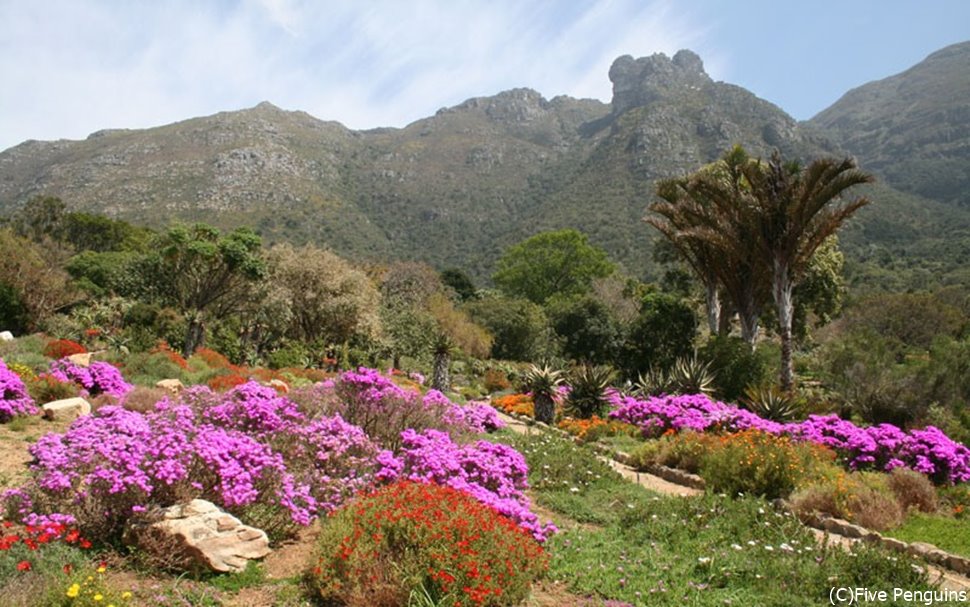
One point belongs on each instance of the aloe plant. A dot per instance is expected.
(692, 376)
(587, 395)
(654, 382)
(771, 403)
(542, 382)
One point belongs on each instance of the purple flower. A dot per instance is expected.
(14, 399)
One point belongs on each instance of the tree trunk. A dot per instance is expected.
(782, 291)
(725, 316)
(545, 409)
(713, 308)
(440, 376)
(194, 335)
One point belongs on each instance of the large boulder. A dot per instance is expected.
(67, 409)
(81, 360)
(6, 336)
(174, 386)
(200, 535)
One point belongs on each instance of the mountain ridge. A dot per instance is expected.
(453, 188)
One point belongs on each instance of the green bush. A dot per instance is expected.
(292, 355)
(757, 463)
(735, 366)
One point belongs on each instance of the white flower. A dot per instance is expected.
(769, 548)
(736, 547)
(704, 560)
(574, 489)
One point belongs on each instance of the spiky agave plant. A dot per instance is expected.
(587, 394)
(654, 382)
(771, 403)
(692, 376)
(542, 383)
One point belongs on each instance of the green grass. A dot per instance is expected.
(709, 550)
(949, 534)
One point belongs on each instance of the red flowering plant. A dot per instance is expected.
(60, 348)
(413, 539)
(49, 547)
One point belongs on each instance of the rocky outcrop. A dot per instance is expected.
(200, 535)
(642, 81)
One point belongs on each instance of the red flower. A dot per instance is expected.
(23, 566)
(85, 544)
(68, 568)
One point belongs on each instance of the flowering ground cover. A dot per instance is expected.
(882, 447)
(14, 399)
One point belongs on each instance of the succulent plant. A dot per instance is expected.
(587, 395)
(654, 382)
(771, 403)
(542, 382)
(692, 376)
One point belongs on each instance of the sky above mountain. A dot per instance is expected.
(70, 67)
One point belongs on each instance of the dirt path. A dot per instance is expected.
(948, 580)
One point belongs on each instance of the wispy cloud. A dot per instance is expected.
(70, 67)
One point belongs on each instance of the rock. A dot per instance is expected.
(853, 531)
(6, 336)
(921, 549)
(199, 534)
(279, 385)
(959, 564)
(67, 409)
(639, 82)
(175, 386)
(893, 544)
(81, 360)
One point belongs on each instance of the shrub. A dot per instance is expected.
(46, 388)
(222, 383)
(913, 490)
(60, 348)
(863, 498)
(411, 539)
(736, 368)
(14, 399)
(519, 404)
(594, 428)
(683, 450)
(496, 380)
(93, 380)
(756, 463)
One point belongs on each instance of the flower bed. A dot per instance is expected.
(882, 447)
(263, 457)
(95, 379)
(14, 399)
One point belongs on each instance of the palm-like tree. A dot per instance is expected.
(754, 226)
(794, 210)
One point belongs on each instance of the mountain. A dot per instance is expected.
(456, 188)
(912, 129)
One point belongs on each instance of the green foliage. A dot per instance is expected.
(13, 313)
(587, 329)
(653, 382)
(587, 393)
(662, 333)
(944, 532)
(691, 375)
(519, 327)
(460, 283)
(102, 273)
(735, 366)
(35, 284)
(293, 354)
(768, 402)
(551, 263)
(542, 382)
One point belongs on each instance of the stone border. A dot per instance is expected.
(836, 526)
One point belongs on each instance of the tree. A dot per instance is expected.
(33, 281)
(588, 330)
(519, 328)
(406, 288)
(454, 330)
(321, 297)
(203, 274)
(460, 282)
(794, 211)
(702, 219)
(551, 263)
(662, 333)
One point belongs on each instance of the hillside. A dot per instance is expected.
(455, 188)
(912, 129)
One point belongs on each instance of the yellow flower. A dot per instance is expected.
(98, 597)
(126, 595)
(73, 590)
(102, 569)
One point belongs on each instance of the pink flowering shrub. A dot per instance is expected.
(96, 379)
(492, 473)
(882, 447)
(256, 454)
(371, 400)
(14, 399)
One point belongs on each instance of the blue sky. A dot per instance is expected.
(71, 67)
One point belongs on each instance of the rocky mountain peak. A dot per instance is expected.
(638, 82)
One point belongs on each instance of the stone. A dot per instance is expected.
(893, 544)
(175, 386)
(921, 549)
(959, 564)
(852, 531)
(6, 336)
(279, 385)
(199, 534)
(67, 409)
(81, 360)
